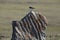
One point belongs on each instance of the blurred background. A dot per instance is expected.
(16, 9)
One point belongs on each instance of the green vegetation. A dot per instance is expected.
(10, 12)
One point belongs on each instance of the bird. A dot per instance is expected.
(31, 7)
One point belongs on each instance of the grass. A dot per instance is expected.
(10, 12)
